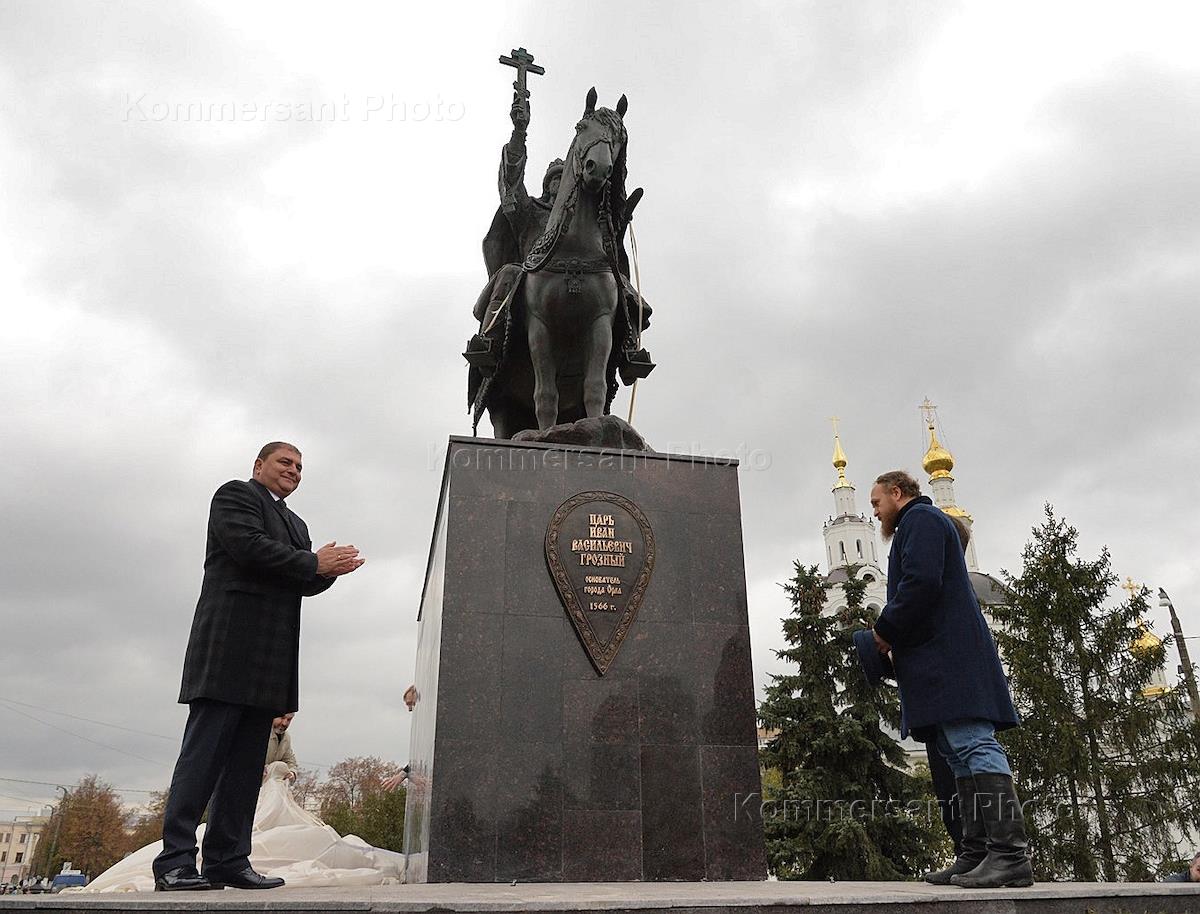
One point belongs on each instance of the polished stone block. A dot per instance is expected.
(603, 775)
(530, 765)
(529, 800)
(602, 846)
(672, 813)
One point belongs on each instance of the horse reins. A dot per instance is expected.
(637, 284)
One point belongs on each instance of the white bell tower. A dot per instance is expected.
(849, 536)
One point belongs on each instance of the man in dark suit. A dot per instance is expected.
(241, 669)
(952, 686)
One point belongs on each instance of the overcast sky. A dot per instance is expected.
(849, 207)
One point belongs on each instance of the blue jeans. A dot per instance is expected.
(969, 747)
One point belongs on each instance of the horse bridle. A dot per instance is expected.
(605, 137)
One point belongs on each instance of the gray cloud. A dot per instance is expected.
(178, 292)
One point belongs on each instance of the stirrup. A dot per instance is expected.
(635, 365)
(481, 354)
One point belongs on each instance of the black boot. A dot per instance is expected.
(1007, 862)
(974, 837)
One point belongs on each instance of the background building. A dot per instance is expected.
(850, 542)
(18, 837)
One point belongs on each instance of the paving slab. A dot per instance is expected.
(616, 898)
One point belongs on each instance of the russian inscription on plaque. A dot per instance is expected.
(600, 550)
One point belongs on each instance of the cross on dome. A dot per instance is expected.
(938, 461)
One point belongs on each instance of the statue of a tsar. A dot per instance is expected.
(559, 319)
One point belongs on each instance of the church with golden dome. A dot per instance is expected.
(850, 541)
(850, 536)
(1147, 641)
(852, 546)
(938, 462)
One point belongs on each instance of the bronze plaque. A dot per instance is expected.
(600, 550)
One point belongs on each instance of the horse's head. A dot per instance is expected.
(599, 139)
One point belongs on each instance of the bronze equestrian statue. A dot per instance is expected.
(559, 319)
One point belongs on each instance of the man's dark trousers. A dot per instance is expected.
(946, 790)
(222, 759)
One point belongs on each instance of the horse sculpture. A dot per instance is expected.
(563, 330)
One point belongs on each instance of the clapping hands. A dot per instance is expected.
(334, 560)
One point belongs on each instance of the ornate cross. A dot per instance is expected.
(929, 411)
(523, 61)
(1134, 589)
(835, 420)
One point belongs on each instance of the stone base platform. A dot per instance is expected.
(652, 898)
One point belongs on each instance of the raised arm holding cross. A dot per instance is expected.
(512, 165)
(522, 60)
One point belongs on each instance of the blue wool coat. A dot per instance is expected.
(944, 654)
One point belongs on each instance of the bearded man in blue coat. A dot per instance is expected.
(952, 687)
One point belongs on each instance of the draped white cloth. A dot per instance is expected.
(287, 841)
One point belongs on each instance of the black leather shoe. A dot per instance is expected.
(243, 879)
(181, 879)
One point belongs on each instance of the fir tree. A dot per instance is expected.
(1109, 773)
(845, 808)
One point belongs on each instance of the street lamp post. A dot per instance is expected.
(1185, 662)
(57, 827)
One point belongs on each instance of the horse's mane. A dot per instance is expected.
(612, 202)
(613, 206)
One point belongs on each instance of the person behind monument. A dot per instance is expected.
(1191, 874)
(411, 697)
(952, 686)
(398, 779)
(241, 669)
(944, 786)
(279, 746)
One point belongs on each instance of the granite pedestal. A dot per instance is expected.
(529, 764)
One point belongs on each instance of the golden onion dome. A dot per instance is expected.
(956, 511)
(938, 462)
(1146, 642)
(839, 464)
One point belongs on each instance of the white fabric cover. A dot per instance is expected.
(287, 841)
